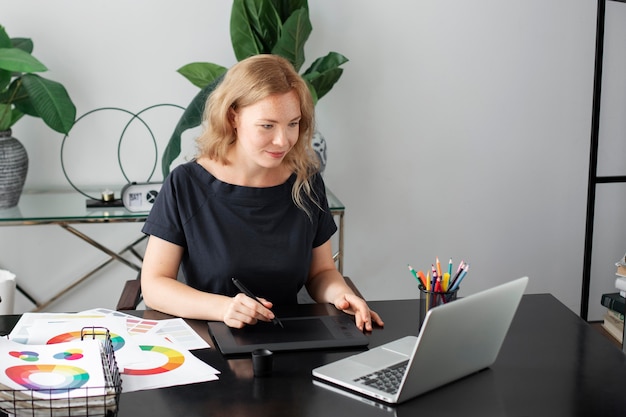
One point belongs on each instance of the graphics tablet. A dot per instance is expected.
(299, 333)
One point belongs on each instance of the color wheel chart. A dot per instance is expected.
(47, 368)
(150, 354)
(56, 378)
(175, 359)
(117, 340)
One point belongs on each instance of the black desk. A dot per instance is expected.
(552, 364)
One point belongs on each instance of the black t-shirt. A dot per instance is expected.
(257, 235)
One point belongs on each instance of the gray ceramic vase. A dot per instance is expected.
(13, 169)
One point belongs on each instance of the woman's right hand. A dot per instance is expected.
(243, 310)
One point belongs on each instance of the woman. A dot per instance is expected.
(251, 206)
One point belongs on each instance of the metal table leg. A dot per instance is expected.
(114, 256)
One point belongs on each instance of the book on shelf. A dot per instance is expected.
(613, 323)
(614, 301)
(613, 313)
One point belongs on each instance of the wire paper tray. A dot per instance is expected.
(87, 401)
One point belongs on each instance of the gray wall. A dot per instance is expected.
(459, 129)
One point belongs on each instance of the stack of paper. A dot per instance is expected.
(150, 354)
(55, 380)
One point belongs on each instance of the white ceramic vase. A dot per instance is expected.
(319, 146)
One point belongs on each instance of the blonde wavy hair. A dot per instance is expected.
(246, 83)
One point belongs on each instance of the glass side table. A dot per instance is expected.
(64, 208)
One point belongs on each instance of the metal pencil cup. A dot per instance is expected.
(431, 299)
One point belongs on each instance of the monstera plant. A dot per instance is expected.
(279, 27)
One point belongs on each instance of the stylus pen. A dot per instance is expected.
(247, 292)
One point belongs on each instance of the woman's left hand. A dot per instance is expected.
(364, 317)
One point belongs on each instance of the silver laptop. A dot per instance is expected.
(456, 340)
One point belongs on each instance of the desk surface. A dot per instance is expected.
(552, 363)
(70, 207)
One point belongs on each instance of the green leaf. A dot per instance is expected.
(243, 37)
(16, 60)
(286, 7)
(18, 95)
(325, 72)
(25, 44)
(294, 35)
(5, 41)
(5, 116)
(202, 74)
(51, 101)
(8, 116)
(265, 23)
(5, 79)
(192, 117)
(323, 82)
(15, 116)
(313, 93)
(330, 61)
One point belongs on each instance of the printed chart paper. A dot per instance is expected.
(149, 353)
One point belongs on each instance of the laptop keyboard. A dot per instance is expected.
(387, 379)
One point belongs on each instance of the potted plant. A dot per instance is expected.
(279, 27)
(24, 92)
